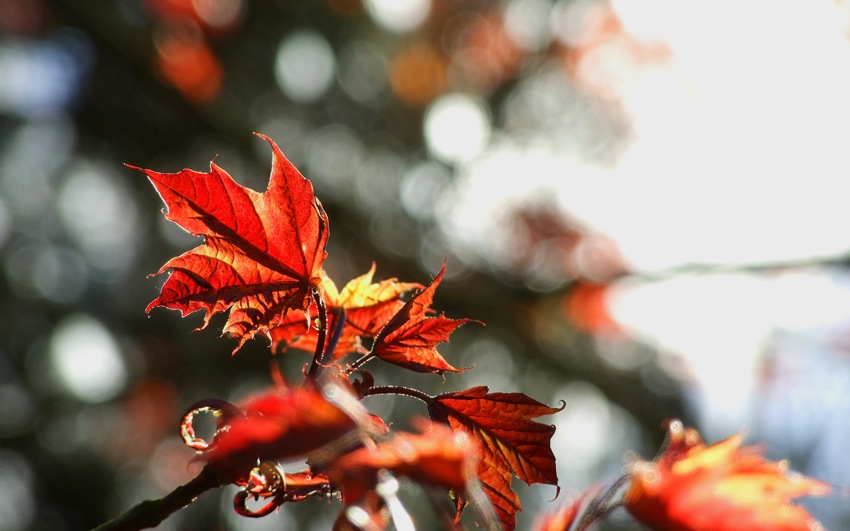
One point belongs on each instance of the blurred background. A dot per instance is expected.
(644, 202)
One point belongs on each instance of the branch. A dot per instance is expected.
(150, 513)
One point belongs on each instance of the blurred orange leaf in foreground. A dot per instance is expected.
(720, 487)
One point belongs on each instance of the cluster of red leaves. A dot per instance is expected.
(261, 262)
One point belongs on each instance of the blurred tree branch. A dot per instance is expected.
(150, 513)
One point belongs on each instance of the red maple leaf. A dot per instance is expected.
(262, 252)
(410, 338)
(508, 441)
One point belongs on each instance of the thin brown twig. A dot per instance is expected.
(150, 513)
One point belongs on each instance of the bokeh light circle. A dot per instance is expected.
(398, 15)
(305, 66)
(457, 127)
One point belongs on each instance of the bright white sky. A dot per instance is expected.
(738, 147)
(738, 153)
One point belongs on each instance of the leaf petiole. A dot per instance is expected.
(318, 356)
(359, 362)
(399, 390)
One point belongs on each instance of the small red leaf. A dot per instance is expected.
(262, 253)
(509, 441)
(411, 337)
(368, 306)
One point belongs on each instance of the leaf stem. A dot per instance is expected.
(602, 504)
(150, 513)
(399, 390)
(338, 313)
(316, 365)
(359, 362)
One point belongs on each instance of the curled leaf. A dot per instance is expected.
(268, 481)
(720, 487)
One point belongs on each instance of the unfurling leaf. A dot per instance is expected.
(276, 426)
(262, 253)
(509, 442)
(720, 487)
(410, 337)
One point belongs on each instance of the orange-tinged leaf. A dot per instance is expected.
(509, 441)
(262, 252)
(368, 306)
(410, 337)
(720, 487)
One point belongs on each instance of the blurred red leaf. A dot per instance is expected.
(438, 456)
(721, 487)
(410, 337)
(571, 511)
(278, 426)
(185, 59)
(560, 519)
(369, 513)
(262, 253)
(508, 441)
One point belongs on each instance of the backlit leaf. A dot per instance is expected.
(411, 336)
(262, 252)
(509, 441)
(368, 306)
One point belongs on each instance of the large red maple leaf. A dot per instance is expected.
(262, 253)
(508, 441)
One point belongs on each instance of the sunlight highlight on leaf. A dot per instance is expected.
(262, 253)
